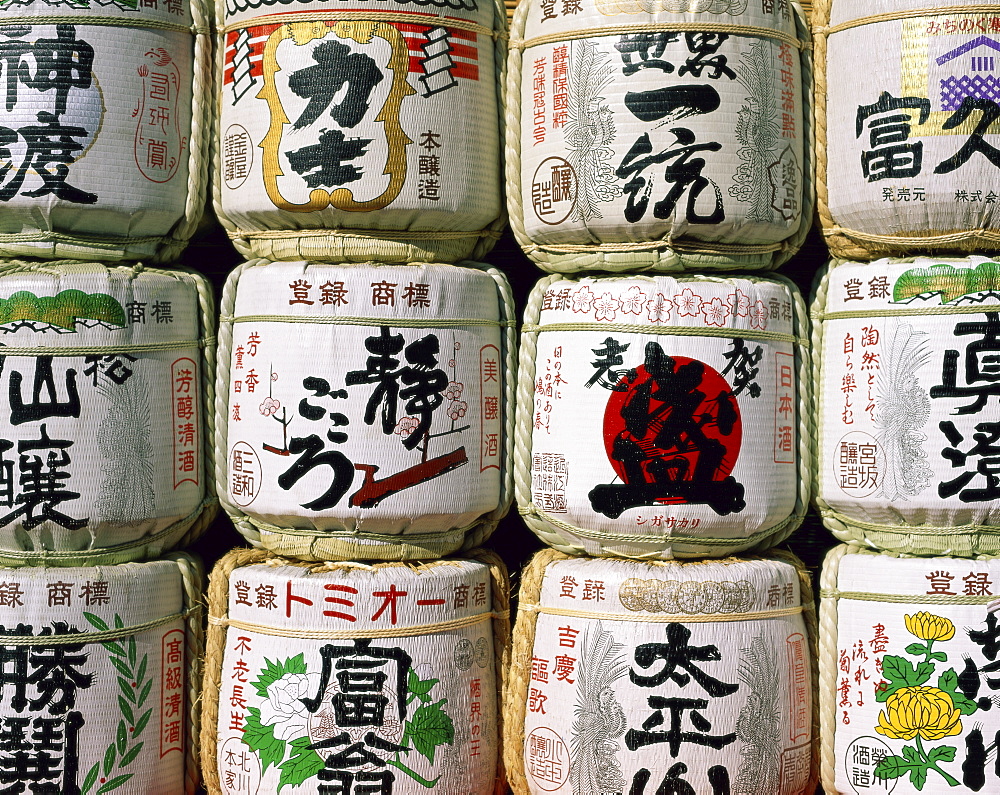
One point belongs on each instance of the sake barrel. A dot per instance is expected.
(906, 386)
(663, 135)
(358, 131)
(104, 131)
(651, 677)
(365, 409)
(907, 145)
(106, 379)
(661, 416)
(99, 688)
(385, 677)
(908, 648)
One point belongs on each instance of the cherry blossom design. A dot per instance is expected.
(659, 308)
(406, 425)
(457, 409)
(454, 390)
(716, 313)
(270, 407)
(634, 300)
(758, 315)
(740, 303)
(688, 303)
(583, 300)
(606, 307)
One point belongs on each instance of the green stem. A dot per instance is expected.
(927, 655)
(952, 782)
(415, 776)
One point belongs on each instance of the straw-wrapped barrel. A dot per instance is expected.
(664, 135)
(365, 409)
(107, 376)
(908, 147)
(104, 131)
(323, 675)
(907, 662)
(101, 675)
(661, 677)
(907, 384)
(360, 132)
(661, 416)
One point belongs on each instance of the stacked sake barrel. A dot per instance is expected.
(365, 403)
(903, 338)
(107, 370)
(661, 445)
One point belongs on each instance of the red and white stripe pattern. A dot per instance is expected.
(246, 45)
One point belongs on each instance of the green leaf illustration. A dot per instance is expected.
(948, 682)
(142, 723)
(925, 670)
(121, 736)
(131, 754)
(91, 778)
(273, 670)
(261, 739)
(944, 753)
(109, 759)
(916, 649)
(303, 764)
(430, 727)
(895, 766)
(420, 688)
(940, 656)
(96, 621)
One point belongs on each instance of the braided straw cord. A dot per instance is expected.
(508, 343)
(202, 103)
(186, 529)
(851, 244)
(356, 245)
(828, 668)
(218, 608)
(316, 545)
(193, 581)
(569, 538)
(664, 255)
(809, 618)
(964, 541)
(515, 701)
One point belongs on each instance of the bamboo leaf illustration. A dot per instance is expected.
(142, 723)
(109, 759)
(121, 736)
(131, 754)
(91, 778)
(96, 621)
(114, 783)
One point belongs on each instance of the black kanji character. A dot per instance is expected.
(336, 67)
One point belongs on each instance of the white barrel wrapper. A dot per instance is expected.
(111, 713)
(354, 132)
(645, 677)
(366, 407)
(907, 685)
(341, 673)
(703, 459)
(911, 138)
(102, 448)
(907, 384)
(103, 134)
(651, 143)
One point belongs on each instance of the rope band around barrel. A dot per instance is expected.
(113, 22)
(349, 634)
(365, 16)
(755, 31)
(105, 350)
(672, 331)
(964, 309)
(362, 234)
(103, 636)
(656, 618)
(906, 598)
(892, 16)
(368, 321)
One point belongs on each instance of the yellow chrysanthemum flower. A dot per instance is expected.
(927, 626)
(927, 711)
